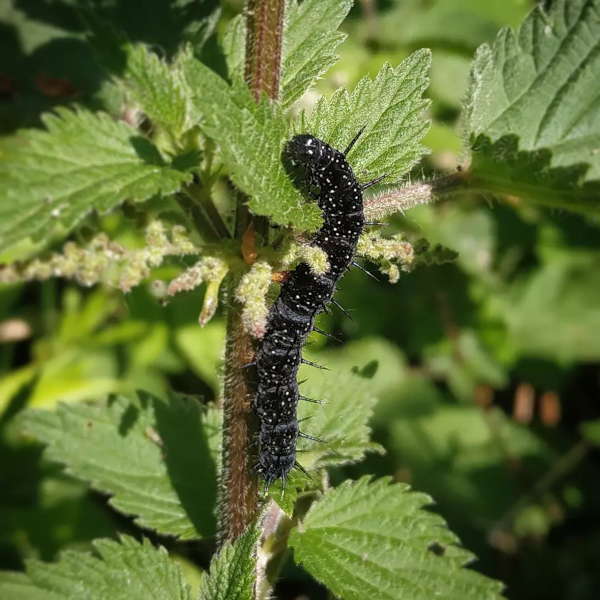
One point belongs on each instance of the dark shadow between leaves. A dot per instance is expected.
(162, 23)
(149, 153)
(58, 72)
(368, 371)
(128, 420)
(146, 150)
(187, 161)
(62, 15)
(62, 69)
(186, 451)
(18, 402)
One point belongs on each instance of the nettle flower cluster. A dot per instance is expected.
(105, 261)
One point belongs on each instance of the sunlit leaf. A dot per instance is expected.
(81, 162)
(122, 570)
(390, 112)
(532, 110)
(374, 539)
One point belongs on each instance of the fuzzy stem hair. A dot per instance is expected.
(238, 493)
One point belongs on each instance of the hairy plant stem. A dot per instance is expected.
(239, 487)
(264, 39)
(394, 200)
(238, 499)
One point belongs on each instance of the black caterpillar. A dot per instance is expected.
(325, 175)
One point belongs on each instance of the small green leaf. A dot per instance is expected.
(590, 430)
(553, 313)
(211, 339)
(13, 382)
(341, 421)
(285, 493)
(160, 90)
(233, 44)
(370, 539)
(122, 571)
(389, 109)
(157, 458)
(311, 41)
(532, 109)
(251, 138)
(232, 571)
(81, 162)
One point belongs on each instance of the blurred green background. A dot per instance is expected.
(487, 369)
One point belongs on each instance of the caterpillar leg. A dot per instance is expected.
(368, 184)
(326, 334)
(313, 364)
(340, 307)
(307, 399)
(354, 139)
(311, 437)
(359, 266)
(305, 418)
(300, 468)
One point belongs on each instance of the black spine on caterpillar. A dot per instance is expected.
(324, 173)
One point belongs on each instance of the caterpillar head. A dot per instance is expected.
(304, 150)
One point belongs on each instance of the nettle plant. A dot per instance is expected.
(197, 158)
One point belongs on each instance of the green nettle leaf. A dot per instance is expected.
(155, 457)
(370, 539)
(232, 571)
(211, 338)
(390, 110)
(532, 110)
(251, 138)
(311, 40)
(233, 43)
(341, 421)
(126, 570)
(81, 162)
(160, 90)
